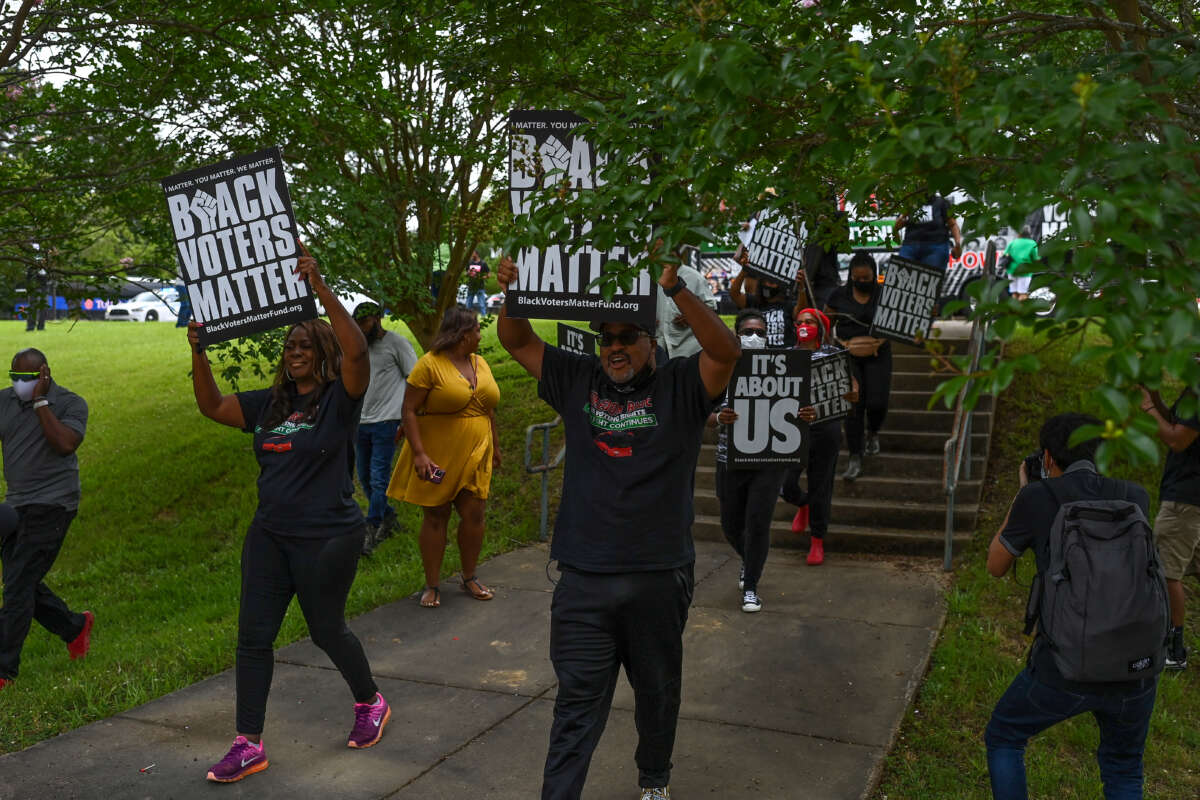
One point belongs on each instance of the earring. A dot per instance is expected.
(289, 375)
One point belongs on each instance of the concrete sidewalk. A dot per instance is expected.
(801, 700)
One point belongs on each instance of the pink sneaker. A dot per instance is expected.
(244, 758)
(369, 722)
(816, 552)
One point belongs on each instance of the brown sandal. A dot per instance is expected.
(478, 591)
(433, 603)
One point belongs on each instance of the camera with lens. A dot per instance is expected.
(1033, 466)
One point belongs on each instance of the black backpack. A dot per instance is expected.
(1101, 602)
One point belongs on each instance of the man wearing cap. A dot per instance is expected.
(41, 426)
(392, 359)
(623, 535)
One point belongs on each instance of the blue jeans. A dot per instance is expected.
(935, 254)
(478, 300)
(1029, 707)
(376, 446)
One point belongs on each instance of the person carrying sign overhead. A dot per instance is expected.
(623, 537)
(771, 298)
(307, 532)
(813, 507)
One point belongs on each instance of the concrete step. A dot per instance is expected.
(845, 538)
(918, 380)
(899, 514)
(924, 465)
(925, 488)
(915, 399)
(893, 442)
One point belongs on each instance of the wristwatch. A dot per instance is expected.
(40, 402)
(674, 290)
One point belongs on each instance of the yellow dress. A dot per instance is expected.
(455, 431)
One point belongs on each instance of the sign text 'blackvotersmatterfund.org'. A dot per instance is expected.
(904, 310)
(235, 240)
(767, 391)
(552, 280)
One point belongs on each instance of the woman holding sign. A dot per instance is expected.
(747, 496)
(307, 532)
(825, 439)
(853, 305)
(450, 448)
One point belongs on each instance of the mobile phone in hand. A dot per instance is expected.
(436, 474)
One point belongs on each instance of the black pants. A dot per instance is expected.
(28, 553)
(824, 442)
(317, 571)
(874, 376)
(748, 498)
(599, 622)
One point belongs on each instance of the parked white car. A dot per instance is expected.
(161, 306)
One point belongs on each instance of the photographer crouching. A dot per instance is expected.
(1099, 603)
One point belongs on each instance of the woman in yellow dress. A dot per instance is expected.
(450, 448)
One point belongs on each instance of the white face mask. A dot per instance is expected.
(24, 389)
(753, 341)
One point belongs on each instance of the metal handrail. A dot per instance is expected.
(544, 466)
(958, 447)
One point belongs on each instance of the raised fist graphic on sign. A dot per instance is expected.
(204, 206)
(555, 156)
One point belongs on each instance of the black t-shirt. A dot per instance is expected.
(854, 318)
(1029, 522)
(1181, 473)
(630, 464)
(476, 283)
(930, 222)
(781, 330)
(305, 479)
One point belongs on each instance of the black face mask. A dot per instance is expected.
(866, 287)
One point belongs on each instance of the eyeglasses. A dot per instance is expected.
(23, 376)
(759, 332)
(627, 337)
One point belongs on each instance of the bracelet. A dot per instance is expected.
(674, 290)
(40, 402)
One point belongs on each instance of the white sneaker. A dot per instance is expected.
(750, 602)
(661, 793)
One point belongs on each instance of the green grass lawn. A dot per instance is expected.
(940, 753)
(167, 496)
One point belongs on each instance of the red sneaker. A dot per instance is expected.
(816, 552)
(78, 646)
(4, 682)
(800, 521)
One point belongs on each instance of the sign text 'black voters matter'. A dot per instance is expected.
(767, 391)
(775, 248)
(554, 281)
(831, 382)
(235, 239)
(574, 340)
(904, 310)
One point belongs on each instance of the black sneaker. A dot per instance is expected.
(387, 527)
(872, 447)
(370, 540)
(1176, 652)
(853, 467)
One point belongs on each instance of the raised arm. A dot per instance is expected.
(516, 335)
(356, 365)
(1175, 435)
(222, 408)
(720, 347)
(61, 439)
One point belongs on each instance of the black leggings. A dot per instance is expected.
(874, 376)
(824, 442)
(317, 571)
(748, 498)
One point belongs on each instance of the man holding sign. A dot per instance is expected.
(623, 534)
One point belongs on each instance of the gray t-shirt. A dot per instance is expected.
(34, 474)
(679, 340)
(392, 358)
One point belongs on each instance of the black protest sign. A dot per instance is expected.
(573, 340)
(904, 310)
(767, 391)
(775, 248)
(235, 239)
(831, 382)
(553, 280)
